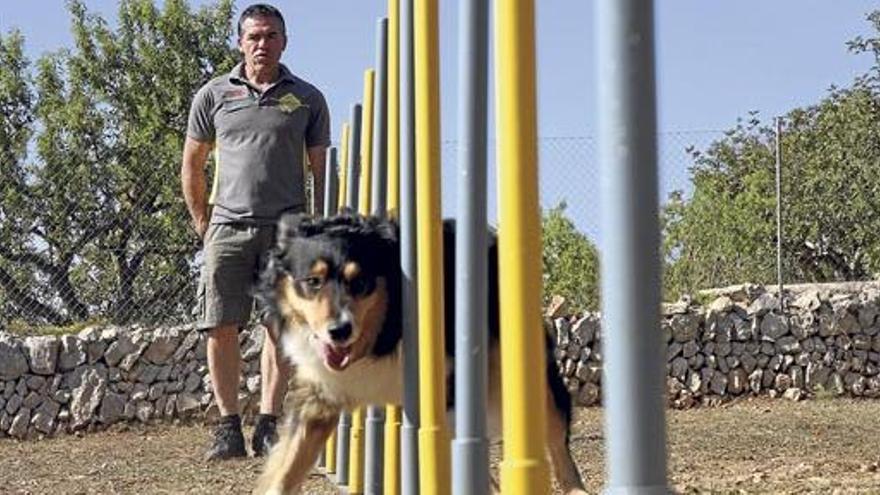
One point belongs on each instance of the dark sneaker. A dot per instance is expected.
(228, 440)
(265, 434)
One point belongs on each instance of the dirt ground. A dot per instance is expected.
(751, 446)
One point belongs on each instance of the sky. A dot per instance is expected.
(716, 61)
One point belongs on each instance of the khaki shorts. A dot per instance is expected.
(234, 256)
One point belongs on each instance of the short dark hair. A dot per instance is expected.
(261, 10)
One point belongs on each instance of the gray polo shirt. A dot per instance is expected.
(260, 140)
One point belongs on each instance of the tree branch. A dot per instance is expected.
(25, 301)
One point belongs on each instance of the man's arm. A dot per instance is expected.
(192, 177)
(317, 159)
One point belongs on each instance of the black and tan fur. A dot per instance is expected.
(335, 286)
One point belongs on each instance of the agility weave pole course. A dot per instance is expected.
(361, 185)
(399, 126)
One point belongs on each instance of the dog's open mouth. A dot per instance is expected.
(335, 357)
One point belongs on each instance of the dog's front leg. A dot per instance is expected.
(294, 456)
(559, 449)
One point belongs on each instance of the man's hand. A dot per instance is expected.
(201, 226)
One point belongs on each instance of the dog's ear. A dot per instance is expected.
(290, 225)
(389, 230)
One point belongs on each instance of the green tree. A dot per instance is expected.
(725, 233)
(92, 223)
(570, 262)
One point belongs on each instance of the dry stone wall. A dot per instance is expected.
(104, 375)
(739, 344)
(824, 343)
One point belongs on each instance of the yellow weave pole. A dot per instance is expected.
(434, 455)
(391, 474)
(343, 165)
(393, 136)
(356, 453)
(330, 454)
(366, 172)
(524, 469)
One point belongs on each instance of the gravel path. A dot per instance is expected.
(752, 446)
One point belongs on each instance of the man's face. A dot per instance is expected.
(262, 42)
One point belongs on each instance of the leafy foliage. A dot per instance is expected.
(570, 262)
(92, 223)
(726, 232)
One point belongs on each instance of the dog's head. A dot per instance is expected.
(333, 285)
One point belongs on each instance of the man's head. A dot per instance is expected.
(261, 36)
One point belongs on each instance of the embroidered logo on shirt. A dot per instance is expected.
(289, 103)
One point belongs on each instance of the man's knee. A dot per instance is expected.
(224, 335)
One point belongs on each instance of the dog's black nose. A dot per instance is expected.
(340, 332)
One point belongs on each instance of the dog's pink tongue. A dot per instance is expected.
(336, 358)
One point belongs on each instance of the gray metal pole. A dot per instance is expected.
(633, 374)
(331, 183)
(331, 193)
(379, 198)
(374, 450)
(375, 423)
(354, 164)
(470, 448)
(779, 212)
(343, 433)
(409, 444)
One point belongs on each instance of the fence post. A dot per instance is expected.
(779, 212)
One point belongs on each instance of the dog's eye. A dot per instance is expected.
(312, 284)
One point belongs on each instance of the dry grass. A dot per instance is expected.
(754, 446)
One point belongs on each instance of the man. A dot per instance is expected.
(260, 120)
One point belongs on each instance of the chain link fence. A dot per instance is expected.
(77, 249)
(569, 174)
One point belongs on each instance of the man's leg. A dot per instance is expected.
(224, 365)
(230, 259)
(275, 370)
(275, 374)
